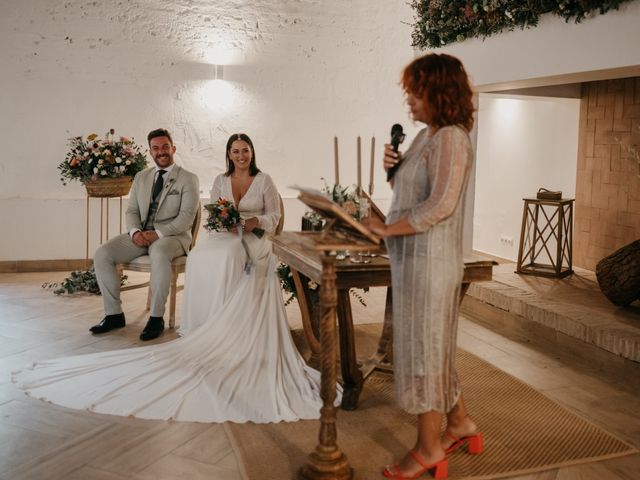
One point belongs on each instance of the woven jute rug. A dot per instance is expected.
(524, 432)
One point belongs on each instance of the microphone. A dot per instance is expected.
(397, 137)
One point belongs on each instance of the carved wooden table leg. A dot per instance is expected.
(385, 344)
(352, 379)
(309, 323)
(382, 359)
(463, 290)
(327, 461)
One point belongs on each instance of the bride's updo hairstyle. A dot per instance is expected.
(253, 168)
(442, 82)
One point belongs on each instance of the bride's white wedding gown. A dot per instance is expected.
(235, 361)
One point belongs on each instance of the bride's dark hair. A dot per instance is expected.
(253, 168)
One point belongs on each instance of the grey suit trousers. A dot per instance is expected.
(121, 249)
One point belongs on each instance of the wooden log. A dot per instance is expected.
(619, 275)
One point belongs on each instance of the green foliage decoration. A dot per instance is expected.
(289, 287)
(79, 281)
(442, 22)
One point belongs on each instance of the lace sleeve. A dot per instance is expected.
(216, 189)
(449, 162)
(268, 221)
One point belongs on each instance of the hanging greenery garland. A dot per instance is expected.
(441, 22)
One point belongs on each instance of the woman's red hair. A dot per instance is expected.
(442, 82)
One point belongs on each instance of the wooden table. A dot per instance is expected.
(298, 250)
(309, 253)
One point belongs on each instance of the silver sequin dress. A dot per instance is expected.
(427, 268)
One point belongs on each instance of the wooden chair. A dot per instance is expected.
(178, 265)
(281, 222)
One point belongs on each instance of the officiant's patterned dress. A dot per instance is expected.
(427, 268)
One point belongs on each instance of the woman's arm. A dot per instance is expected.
(451, 157)
(216, 189)
(399, 228)
(268, 221)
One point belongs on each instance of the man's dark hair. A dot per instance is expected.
(159, 132)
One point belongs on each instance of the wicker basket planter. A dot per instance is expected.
(108, 187)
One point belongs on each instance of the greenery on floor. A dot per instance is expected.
(79, 281)
(441, 22)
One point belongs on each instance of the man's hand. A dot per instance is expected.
(139, 239)
(150, 236)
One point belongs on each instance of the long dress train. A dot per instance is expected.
(236, 360)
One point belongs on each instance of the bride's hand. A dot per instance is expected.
(250, 224)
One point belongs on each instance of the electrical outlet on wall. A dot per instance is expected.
(506, 240)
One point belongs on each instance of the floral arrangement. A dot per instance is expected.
(95, 158)
(350, 201)
(223, 215)
(441, 22)
(79, 281)
(313, 289)
(346, 197)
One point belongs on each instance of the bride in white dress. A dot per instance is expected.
(236, 360)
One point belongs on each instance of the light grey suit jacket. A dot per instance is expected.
(176, 206)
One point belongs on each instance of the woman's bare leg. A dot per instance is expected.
(459, 423)
(428, 444)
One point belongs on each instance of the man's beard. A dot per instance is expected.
(160, 159)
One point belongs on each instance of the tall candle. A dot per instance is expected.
(359, 164)
(336, 164)
(373, 149)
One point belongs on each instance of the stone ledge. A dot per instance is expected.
(527, 311)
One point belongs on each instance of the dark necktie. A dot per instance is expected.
(157, 187)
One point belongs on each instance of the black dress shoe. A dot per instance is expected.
(153, 329)
(108, 323)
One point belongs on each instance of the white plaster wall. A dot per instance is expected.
(555, 47)
(524, 143)
(297, 72)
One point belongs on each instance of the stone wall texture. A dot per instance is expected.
(607, 211)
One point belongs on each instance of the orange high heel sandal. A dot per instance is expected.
(473, 442)
(440, 468)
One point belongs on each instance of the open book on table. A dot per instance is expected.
(335, 215)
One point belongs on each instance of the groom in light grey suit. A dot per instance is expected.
(162, 207)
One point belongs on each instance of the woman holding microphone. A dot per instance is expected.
(423, 233)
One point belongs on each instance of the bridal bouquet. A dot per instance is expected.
(223, 216)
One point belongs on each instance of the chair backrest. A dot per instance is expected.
(195, 228)
(281, 222)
